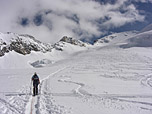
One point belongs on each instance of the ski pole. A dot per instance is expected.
(31, 88)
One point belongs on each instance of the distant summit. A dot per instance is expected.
(73, 41)
(67, 41)
(114, 38)
(140, 40)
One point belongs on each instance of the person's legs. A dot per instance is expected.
(36, 89)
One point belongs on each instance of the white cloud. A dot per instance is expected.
(76, 18)
(118, 19)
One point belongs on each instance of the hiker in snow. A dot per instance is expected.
(36, 82)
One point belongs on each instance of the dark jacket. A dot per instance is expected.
(35, 79)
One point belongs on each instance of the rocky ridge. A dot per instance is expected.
(60, 45)
(24, 44)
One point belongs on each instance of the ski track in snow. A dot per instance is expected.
(43, 103)
(117, 97)
(147, 80)
(78, 90)
(10, 107)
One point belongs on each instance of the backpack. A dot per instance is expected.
(35, 79)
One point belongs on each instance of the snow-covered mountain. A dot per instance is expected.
(114, 38)
(22, 44)
(147, 28)
(143, 39)
(127, 39)
(33, 52)
(69, 40)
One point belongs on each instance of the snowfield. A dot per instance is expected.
(99, 79)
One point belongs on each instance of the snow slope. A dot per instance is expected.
(147, 28)
(115, 38)
(140, 40)
(24, 51)
(103, 79)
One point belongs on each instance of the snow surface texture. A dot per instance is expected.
(140, 40)
(99, 79)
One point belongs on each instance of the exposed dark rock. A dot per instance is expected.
(4, 43)
(23, 44)
(1, 53)
(72, 41)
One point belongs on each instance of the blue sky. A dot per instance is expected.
(50, 20)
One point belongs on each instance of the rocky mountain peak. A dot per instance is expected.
(72, 41)
(22, 44)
